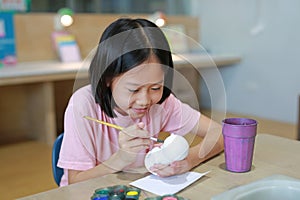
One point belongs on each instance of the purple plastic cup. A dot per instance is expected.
(239, 137)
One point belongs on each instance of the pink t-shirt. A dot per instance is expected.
(86, 143)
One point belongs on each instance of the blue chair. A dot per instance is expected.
(57, 171)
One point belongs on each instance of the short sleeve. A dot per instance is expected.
(85, 143)
(77, 151)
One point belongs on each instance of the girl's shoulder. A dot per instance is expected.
(82, 101)
(171, 101)
(84, 91)
(83, 95)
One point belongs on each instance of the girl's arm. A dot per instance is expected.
(211, 145)
(114, 164)
(132, 140)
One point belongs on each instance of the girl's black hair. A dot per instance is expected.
(125, 44)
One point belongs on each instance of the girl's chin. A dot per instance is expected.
(136, 115)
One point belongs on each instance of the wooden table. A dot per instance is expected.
(34, 94)
(272, 155)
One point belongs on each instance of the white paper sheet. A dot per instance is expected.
(169, 185)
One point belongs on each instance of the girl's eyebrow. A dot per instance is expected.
(137, 84)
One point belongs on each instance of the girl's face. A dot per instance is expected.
(136, 90)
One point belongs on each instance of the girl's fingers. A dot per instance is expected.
(157, 144)
(177, 167)
(136, 142)
(136, 131)
(141, 125)
(162, 170)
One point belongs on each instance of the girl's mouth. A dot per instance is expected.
(139, 110)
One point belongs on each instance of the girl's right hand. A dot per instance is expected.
(133, 140)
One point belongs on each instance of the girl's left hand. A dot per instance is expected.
(177, 167)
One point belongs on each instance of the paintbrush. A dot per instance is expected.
(117, 127)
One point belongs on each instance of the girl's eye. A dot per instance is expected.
(153, 88)
(133, 91)
(156, 88)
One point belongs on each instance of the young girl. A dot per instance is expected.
(131, 77)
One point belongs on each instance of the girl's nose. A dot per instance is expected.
(143, 98)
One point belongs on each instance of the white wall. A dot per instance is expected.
(266, 33)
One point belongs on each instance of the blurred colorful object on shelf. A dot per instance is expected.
(7, 39)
